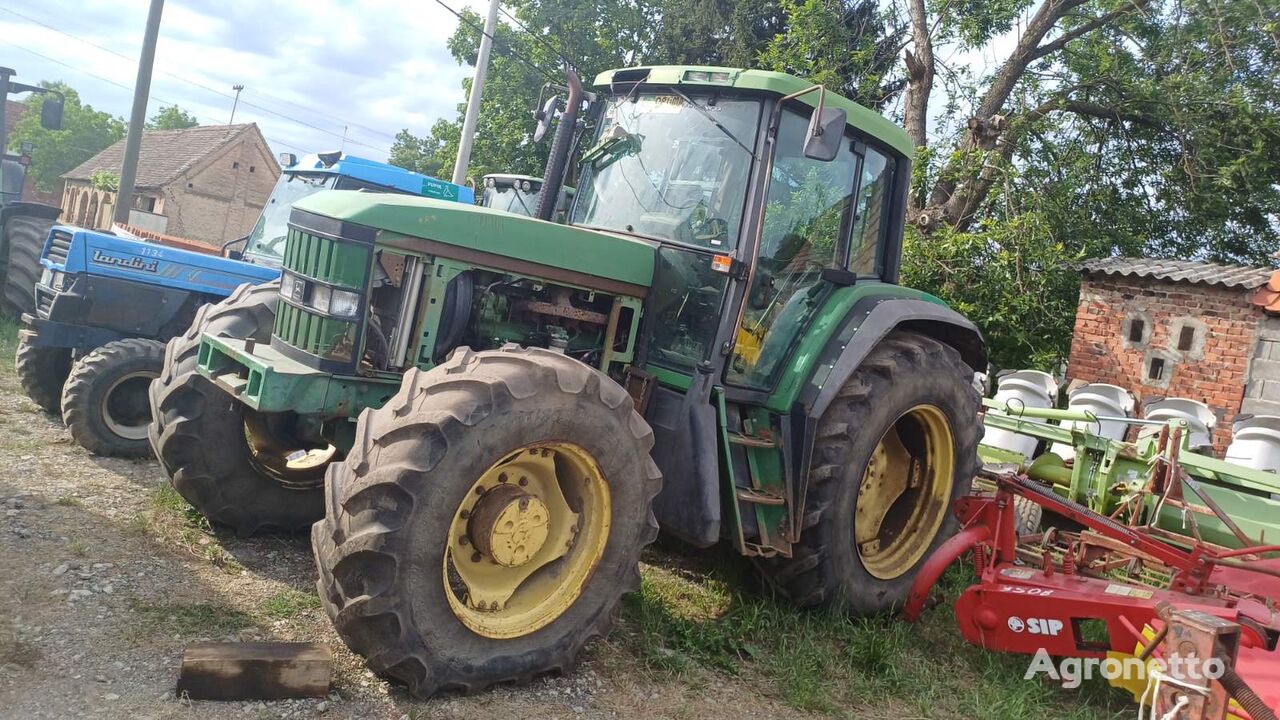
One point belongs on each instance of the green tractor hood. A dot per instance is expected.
(490, 237)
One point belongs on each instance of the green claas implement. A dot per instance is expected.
(491, 415)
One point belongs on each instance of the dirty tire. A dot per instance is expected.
(1027, 516)
(197, 429)
(42, 371)
(26, 236)
(105, 397)
(381, 547)
(905, 370)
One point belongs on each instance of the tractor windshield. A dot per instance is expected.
(268, 236)
(670, 167)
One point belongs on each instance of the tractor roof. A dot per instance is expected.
(776, 83)
(493, 237)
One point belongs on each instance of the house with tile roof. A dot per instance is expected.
(207, 183)
(1182, 328)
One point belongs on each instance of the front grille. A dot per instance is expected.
(44, 302)
(59, 247)
(332, 261)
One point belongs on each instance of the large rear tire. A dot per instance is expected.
(894, 450)
(202, 435)
(42, 371)
(104, 401)
(25, 238)
(449, 576)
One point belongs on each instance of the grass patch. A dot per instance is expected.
(711, 614)
(79, 548)
(69, 501)
(289, 603)
(8, 341)
(190, 619)
(172, 521)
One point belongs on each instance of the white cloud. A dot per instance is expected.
(309, 67)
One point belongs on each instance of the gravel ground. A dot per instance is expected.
(104, 580)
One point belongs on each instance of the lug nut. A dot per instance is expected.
(475, 557)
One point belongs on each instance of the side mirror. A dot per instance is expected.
(826, 134)
(51, 114)
(544, 116)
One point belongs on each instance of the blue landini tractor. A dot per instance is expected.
(105, 305)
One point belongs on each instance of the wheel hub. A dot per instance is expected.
(509, 525)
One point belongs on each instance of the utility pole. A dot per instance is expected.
(473, 103)
(237, 87)
(138, 118)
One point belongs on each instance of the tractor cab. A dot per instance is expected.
(721, 168)
(333, 171)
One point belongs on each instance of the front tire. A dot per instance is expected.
(893, 452)
(201, 434)
(42, 371)
(104, 401)
(446, 575)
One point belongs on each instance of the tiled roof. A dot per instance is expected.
(1184, 271)
(1268, 296)
(165, 154)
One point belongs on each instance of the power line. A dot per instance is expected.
(538, 38)
(206, 87)
(509, 51)
(122, 86)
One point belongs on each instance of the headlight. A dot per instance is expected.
(345, 303)
(320, 295)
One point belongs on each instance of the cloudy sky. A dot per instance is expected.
(309, 67)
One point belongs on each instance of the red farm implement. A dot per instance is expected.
(1103, 589)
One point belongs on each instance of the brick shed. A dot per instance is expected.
(1177, 328)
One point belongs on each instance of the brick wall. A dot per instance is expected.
(1124, 324)
(220, 199)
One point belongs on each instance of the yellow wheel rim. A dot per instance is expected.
(905, 492)
(295, 467)
(525, 539)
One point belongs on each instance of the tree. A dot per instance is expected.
(422, 155)
(172, 118)
(85, 132)
(845, 46)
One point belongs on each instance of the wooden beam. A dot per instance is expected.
(254, 671)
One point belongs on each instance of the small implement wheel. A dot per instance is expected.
(242, 469)
(893, 451)
(487, 521)
(42, 371)
(104, 402)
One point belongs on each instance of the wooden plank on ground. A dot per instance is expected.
(254, 671)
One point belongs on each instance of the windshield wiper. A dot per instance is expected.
(711, 118)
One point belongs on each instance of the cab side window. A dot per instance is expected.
(871, 212)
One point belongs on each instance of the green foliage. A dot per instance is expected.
(85, 132)
(102, 179)
(172, 118)
(844, 46)
(422, 155)
(1014, 278)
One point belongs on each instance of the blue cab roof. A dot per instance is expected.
(384, 174)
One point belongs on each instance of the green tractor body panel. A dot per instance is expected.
(805, 367)
(494, 232)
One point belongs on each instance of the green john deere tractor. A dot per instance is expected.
(491, 415)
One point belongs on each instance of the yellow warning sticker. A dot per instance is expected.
(1128, 591)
